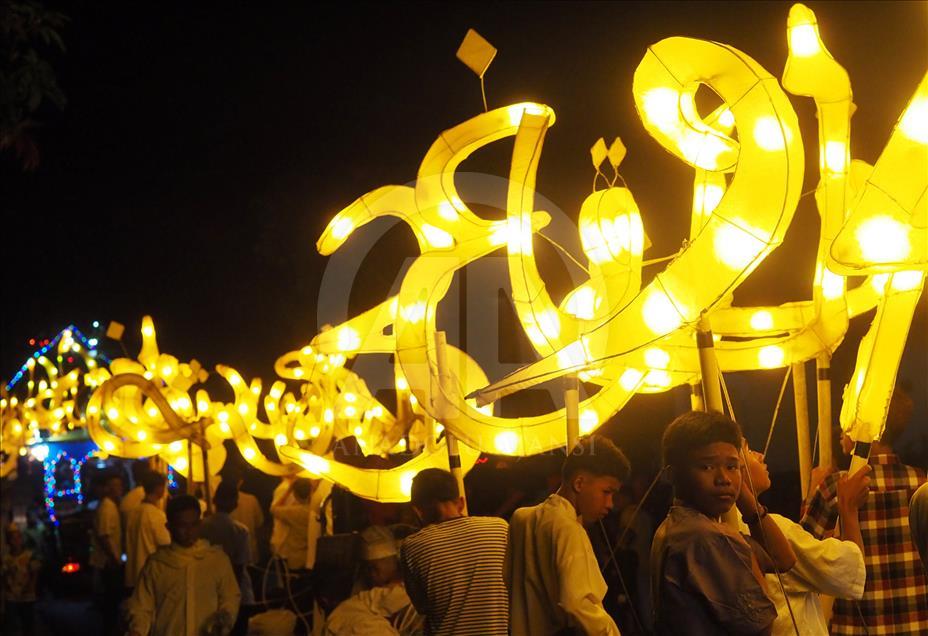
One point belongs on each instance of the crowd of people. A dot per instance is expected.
(856, 562)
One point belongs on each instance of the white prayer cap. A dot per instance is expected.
(378, 543)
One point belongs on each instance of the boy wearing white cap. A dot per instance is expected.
(385, 608)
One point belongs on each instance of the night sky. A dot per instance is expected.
(205, 146)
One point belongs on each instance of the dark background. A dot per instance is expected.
(205, 146)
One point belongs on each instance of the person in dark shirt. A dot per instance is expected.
(707, 578)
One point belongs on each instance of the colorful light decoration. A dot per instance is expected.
(52, 492)
(68, 334)
(51, 401)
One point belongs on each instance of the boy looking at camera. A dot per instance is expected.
(707, 577)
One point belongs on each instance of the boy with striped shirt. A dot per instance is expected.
(453, 567)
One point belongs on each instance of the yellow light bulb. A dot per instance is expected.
(250, 453)
(659, 313)
(907, 280)
(662, 108)
(762, 320)
(589, 419)
(708, 196)
(314, 431)
(771, 134)
(348, 339)
(736, 247)
(771, 357)
(656, 358)
(342, 227)
(835, 156)
(314, 464)
(280, 439)
(658, 379)
(883, 239)
(832, 285)
(406, 478)
(727, 118)
(109, 446)
(507, 442)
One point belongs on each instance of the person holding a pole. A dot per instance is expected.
(895, 599)
(453, 567)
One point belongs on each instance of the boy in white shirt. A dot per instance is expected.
(146, 528)
(187, 588)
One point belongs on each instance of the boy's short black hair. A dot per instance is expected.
(181, 503)
(696, 429)
(302, 488)
(433, 486)
(139, 468)
(151, 481)
(226, 497)
(597, 455)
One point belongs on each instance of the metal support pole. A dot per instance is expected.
(572, 409)
(708, 367)
(823, 393)
(696, 401)
(802, 425)
(444, 377)
(190, 489)
(208, 494)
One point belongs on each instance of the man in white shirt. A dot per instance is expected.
(146, 528)
(294, 522)
(187, 588)
(282, 496)
(553, 577)
(248, 512)
(106, 553)
(828, 566)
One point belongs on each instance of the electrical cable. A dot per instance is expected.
(635, 513)
(776, 409)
